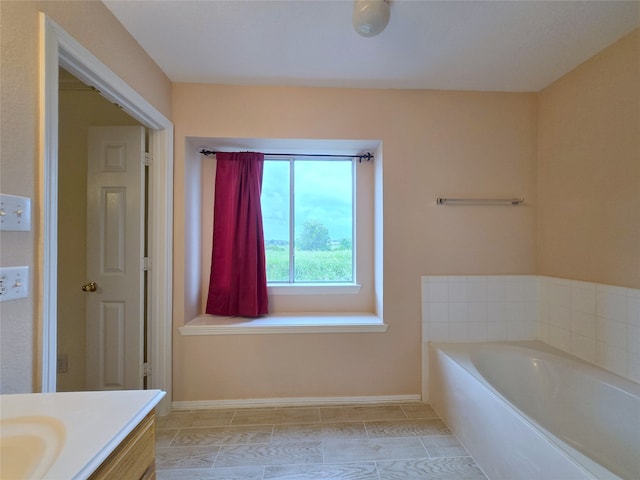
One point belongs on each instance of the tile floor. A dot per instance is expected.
(373, 442)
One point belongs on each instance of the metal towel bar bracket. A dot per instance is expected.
(479, 201)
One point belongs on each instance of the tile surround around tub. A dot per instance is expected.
(598, 323)
(479, 308)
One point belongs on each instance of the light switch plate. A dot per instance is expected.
(14, 283)
(15, 213)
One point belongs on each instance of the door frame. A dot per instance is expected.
(59, 49)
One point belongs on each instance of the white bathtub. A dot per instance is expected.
(527, 411)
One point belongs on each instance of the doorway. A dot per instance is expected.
(59, 49)
(81, 351)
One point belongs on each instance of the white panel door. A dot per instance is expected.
(115, 249)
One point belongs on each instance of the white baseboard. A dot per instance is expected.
(292, 402)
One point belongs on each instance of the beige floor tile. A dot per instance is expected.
(460, 468)
(419, 410)
(234, 473)
(222, 435)
(444, 446)
(319, 431)
(185, 457)
(277, 416)
(372, 449)
(274, 453)
(164, 437)
(355, 471)
(361, 413)
(174, 420)
(196, 418)
(407, 428)
(345, 442)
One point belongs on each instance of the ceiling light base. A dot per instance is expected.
(370, 17)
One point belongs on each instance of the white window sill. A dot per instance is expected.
(285, 323)
(314, 289)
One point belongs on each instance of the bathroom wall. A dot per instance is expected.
(434, 143)
(589, 170)
(589, 199)
(79, 108)
(91, 24)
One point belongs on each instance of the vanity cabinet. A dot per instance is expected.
(134, 458)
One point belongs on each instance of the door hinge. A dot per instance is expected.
(146, 264)
(147, 159)
(146, 370)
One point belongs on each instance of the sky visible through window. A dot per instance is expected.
(323, 192)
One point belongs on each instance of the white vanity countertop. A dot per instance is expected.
(95, 423)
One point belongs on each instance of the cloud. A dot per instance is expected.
(323, 192)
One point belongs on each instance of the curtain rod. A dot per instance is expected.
(365, 156)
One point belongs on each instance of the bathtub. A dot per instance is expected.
(525, 410)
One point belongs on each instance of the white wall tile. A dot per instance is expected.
(633, 366)
(477, 312)
(496, 289)
(584, 347)
(459, 332)
(478, 331)
(559, 316)
(458, 312)
(439, 331)
(458, 291)
(438, 292)
(633, 338)
(611, 358)
(583, 324)
(438, 312)
(633, 307)
(531, 312)
(543, 287)
(611, 303)
(515, 311)
(559, 293)
(560, 338)
(425, 313)
(516, 330)
(496, 312)
(583, 297)
(516, 288)
(543, 332)
(496, 331)
(612, 333)
(477, 291)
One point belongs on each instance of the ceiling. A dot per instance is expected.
(481, 45)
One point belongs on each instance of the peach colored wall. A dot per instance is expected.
(589, 170)
(91, 24)
(434, 144)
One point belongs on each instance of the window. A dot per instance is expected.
(308, 220)
(327, 306)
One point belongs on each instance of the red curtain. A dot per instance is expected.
(238, 281)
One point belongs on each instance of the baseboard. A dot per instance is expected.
(292, 402)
